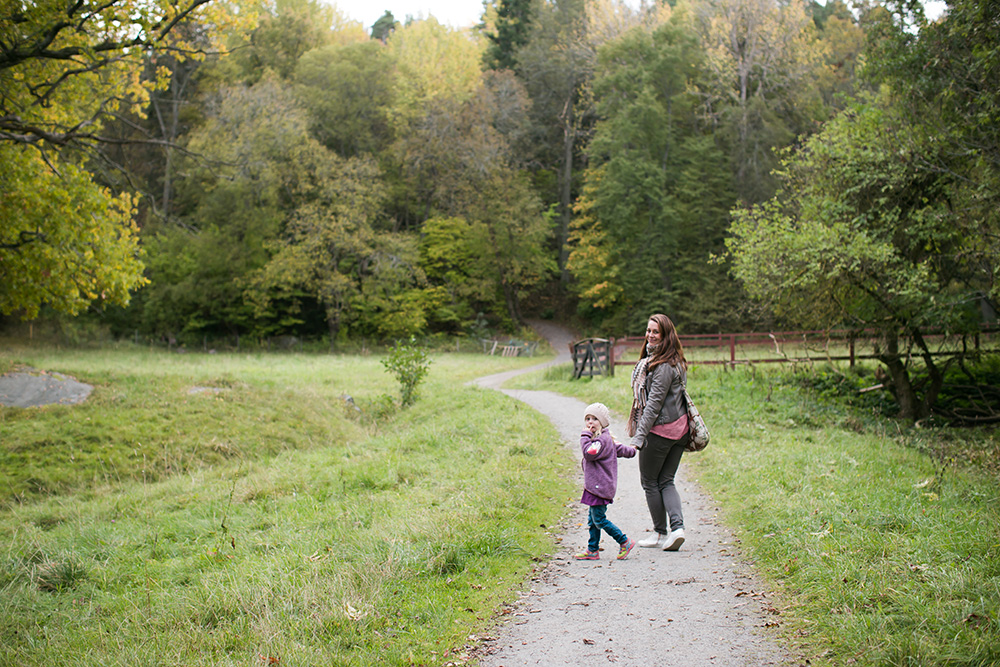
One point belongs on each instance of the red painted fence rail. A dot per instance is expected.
(816, 343)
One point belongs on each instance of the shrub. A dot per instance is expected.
(409, 364)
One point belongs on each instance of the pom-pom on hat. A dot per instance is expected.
(600, 411)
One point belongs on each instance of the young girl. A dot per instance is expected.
(600, 480)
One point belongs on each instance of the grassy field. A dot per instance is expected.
(237, 510)
(883, 542)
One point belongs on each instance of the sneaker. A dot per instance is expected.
(588, 555)
(654, 540)
(626, 549)
(674, 540)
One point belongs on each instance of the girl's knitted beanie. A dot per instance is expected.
(600, 411)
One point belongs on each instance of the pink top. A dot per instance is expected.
(675, 430)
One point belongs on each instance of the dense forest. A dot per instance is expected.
(210, 169)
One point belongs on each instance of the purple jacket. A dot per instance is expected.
(600, 470)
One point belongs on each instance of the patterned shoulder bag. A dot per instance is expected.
(699, 431)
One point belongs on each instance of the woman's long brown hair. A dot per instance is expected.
(671, 350)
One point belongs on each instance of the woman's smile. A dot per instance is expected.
(653, 334)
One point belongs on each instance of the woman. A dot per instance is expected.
(659, 428)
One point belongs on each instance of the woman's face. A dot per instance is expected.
(653, 333)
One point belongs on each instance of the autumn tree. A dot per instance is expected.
(657, 189)
(64, 241)
(331, 250)
(347, 90)
(864, 235)
(243, 161)
(434, 69)
(287, 29)
(65, 69)
(760, 56)
(480, 202)
(556, 65)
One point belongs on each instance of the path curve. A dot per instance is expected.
(696, 606)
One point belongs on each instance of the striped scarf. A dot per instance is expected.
(638, 395)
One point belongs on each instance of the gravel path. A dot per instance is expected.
(696, 606)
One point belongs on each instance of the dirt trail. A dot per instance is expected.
(696, 606)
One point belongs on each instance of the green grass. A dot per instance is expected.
(882, 542)
(158, 527)
(267, 520)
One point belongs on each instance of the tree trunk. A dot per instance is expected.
(566, 191)
(333, 324)
(934, 373)
(513, 304)
(910, 408)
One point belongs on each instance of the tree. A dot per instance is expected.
(232, 200)
(480, 204)
(556, 65)
(347, 90)
(842, 42)
(657, 189)
(65, 70)
(287, 29)
(330, 248)
(945, 78)
(431, 62)
(64, 241)
(508, 233)
(64, 67)
(507, 30)
(384, 26)
(865, 235)
(759, 55)
(434, 69)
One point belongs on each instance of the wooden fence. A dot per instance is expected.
(592, 356)
(798, 346)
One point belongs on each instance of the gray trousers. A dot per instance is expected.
(658, 463)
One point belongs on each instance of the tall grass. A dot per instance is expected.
(882, 541)
(266, 522)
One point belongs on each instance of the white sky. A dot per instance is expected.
(463, 13)
(933, 8)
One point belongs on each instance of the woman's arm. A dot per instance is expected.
(659, 384)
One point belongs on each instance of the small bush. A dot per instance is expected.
(409, 364)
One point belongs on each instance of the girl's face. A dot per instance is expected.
(592, 422)
(653, 333)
